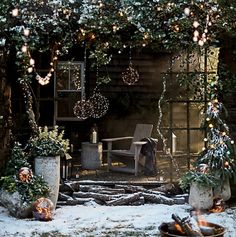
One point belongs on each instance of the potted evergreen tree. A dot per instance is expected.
(47, 148)
(217, 158)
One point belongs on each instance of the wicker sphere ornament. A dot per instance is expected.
(25, 174)
(203, 168)
(100, 105)
(130, 76)
(83, 109)
(43, 209)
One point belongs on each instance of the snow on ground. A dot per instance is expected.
(106, 221)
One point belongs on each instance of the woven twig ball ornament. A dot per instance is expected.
(83, 109)
(130, 76)
(25, 174)
(100, 105)
(42, 209)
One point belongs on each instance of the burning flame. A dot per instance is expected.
(218, 205)
(179, 228)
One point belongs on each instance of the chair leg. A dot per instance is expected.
(137, 150)
(109, 160)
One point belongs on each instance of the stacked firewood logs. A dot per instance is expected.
(73, 193)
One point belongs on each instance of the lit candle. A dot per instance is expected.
(94, 137)
(63, 172)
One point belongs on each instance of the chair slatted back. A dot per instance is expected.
(141, 131)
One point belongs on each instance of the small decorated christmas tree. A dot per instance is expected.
(218, 155)
(216, 163)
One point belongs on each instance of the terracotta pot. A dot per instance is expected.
(49, 169)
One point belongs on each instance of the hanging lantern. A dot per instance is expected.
(100, 105)
(83, 109)
(130, 76)
(42, 209)
(25, 174)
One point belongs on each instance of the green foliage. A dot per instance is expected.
(49, 143)
(9, 183)
(203, 179)
(17, 160)
(32, 190)
(29, 190)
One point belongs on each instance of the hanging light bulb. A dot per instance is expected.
(187, 11)
(195, 39)
(32, 62)
(195, 24)
(30, 69)
(196, 33)
(24, 48)
(15, 12)
(200, 42)
(26, 32)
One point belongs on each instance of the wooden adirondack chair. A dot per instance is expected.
(131, 155)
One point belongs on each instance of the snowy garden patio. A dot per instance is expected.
(117, 118)
(95, 220)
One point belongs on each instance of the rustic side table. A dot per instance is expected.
(91, 155)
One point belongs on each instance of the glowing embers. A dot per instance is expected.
(189, 226)
(218, 205)
(42, 209)
(83, 109)
(25, 174)
(130, 76)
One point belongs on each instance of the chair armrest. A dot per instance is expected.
(139, 143)
(115, 139)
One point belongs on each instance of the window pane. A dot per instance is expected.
(179, 115)
(196, 115)
(196, 141)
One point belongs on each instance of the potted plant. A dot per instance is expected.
(19, 187)
(49, 143)
(200, 184)
(47, 148)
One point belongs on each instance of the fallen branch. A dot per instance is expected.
(126, 200)
(158, 199)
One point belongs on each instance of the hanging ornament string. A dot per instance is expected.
(130, 76)
(45, 80)
(100, 102)
(164, 140)
(83, 108)
(161, 114)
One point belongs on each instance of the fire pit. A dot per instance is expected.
(207, 229)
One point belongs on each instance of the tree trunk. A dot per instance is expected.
(5, 112)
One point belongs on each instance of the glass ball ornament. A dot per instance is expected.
(100, 105)
(83, 109)
(43, 209)
(25, 174)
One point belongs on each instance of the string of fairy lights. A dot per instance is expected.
(161, 99)
(96, 106)
(201, 33)
(130, 76)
